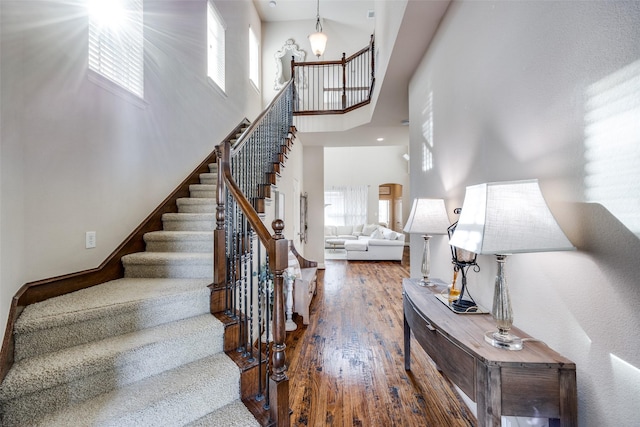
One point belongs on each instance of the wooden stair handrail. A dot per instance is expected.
(254, 125)
(277, 248)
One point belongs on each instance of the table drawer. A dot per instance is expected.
(457, 364)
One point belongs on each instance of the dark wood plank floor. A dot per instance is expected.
(347, 366)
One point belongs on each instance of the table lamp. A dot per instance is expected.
(504, 218)
(428, 216)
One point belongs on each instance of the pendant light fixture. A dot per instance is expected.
(318, 39)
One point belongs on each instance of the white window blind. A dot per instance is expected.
(216, 46)
(116, 46)
(254, 58)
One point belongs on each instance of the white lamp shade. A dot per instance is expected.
(506, 218)
(428, 216)
(318, 43)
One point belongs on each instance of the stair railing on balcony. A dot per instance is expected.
(249, 261)
(335, 87)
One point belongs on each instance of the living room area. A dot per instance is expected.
(366, 201)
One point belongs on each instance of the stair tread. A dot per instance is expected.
(48, 370)
(196, 200)
(173, 397)
(171, 236)
(111, 297)
(234, 414)
(196, 204)
(202, 216)
(167, 258)
(133, 351)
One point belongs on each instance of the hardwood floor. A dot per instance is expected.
(346, 368)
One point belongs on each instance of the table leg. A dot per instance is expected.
(407, 345)
(568, 398)
(489, 399)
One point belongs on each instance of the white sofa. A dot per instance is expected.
(382, 245)
(340, 232)
(346, 233)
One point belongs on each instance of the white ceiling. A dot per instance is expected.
(347, 12)
(420, 22)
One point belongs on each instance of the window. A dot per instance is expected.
(612, 138)
(427, 134)
(254, 59)
(384, 211)
(346, 205)
(116, 50)
(216, 46)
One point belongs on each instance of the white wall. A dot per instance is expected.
(511, 82)
(370, 166)
(313, 173)
(75, 157)
(289, 176)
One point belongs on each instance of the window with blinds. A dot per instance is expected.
(216, 46)
(116, 50)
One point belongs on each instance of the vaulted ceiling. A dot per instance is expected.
(419, 25)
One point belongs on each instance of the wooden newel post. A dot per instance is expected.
(218, 296)
(373, 64)
(293, 68)
(294, 105)
(279, 382)
(219, 252)
(344, 80)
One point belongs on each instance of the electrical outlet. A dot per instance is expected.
(90, 239)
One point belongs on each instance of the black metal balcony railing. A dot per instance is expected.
(334, 87)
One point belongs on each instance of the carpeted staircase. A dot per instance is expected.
(139, 351)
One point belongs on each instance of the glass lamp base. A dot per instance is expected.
(504, 341)
(426, 282)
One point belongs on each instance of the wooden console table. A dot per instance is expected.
(533, 382)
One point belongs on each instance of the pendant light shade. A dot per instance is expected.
(318, 43)
(318, 39)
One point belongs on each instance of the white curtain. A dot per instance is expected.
(346, 205)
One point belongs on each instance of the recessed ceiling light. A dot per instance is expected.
(272, 3)
(380, 139)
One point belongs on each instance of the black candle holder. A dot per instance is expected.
(462, 261)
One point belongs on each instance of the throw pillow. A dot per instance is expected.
(377, 234)
(358, 228)
(368, 229)
(389, 234)
(330, 230)
(343, 230)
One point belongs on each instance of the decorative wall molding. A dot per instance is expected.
(283, 62)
